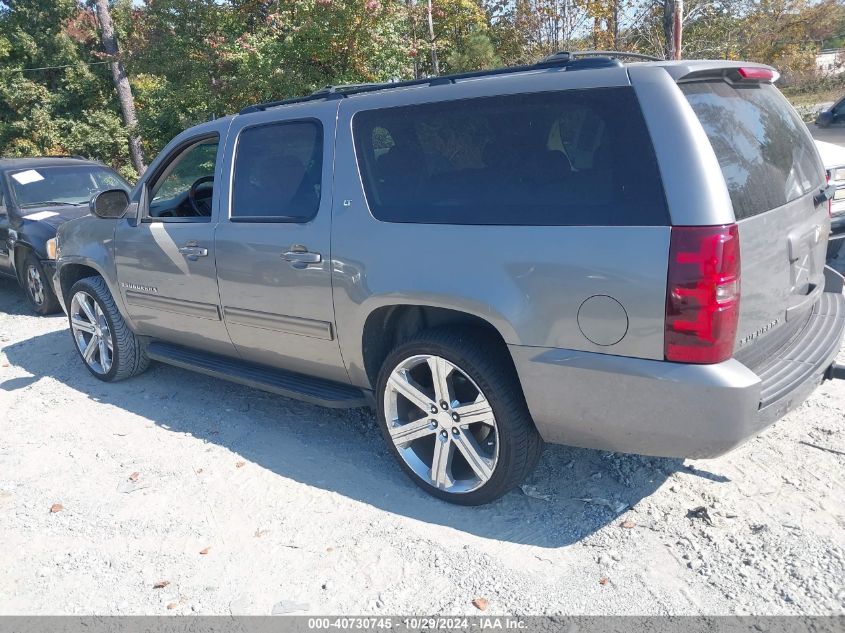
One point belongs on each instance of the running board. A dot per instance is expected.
(285, 383)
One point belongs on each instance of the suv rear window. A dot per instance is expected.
(765, 151)
(576, 157)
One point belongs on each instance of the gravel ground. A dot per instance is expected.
(183, 494)
(833, 134)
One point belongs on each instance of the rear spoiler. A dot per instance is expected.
(733, 72)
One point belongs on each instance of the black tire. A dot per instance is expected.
(834, 247)
(129, 356)
(37, 286)
(485, 360)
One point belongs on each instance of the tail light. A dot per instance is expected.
(702, 294)
(829, 200)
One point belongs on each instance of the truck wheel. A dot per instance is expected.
(834, 247)
(109, 349)
(37, 286)
(452, 412)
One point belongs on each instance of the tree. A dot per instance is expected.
(192, 60)
(121, 83)
(605, 15)
(477, 53)
(448, 25)
(435, 63)
(56, 96)
(788, 33)
(673, 11)
(526, 30)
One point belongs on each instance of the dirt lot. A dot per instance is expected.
(834, 134)
(243, 502)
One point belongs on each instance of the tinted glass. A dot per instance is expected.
(62, 185)
(198, 162)
(764, 149)
(577, 157)
(186, 187)
(278, 171)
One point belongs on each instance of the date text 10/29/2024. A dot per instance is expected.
(482, 623)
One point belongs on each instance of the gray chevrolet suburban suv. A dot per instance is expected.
(624, 257)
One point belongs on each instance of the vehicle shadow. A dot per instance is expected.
(13, 300)
(343, 451)
(573, 492)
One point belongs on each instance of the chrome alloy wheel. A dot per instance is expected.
(91, 333)
(35, 284)
(441, 424)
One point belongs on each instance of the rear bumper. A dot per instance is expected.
(655, 407)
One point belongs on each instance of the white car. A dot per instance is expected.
(833, 157)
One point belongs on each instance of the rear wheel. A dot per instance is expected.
(37, 286)
(453, 414)
(109, 349)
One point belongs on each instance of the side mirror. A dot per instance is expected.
(110, 204)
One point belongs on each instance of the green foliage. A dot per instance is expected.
(65, 110)
(192, 60)
(250, 51)
(477, 53)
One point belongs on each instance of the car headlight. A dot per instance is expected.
(837, 173)
(53, 248)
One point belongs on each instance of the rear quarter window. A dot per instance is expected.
(576, 157)
(764, 149)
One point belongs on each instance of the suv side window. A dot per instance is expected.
(575, 157)
(278, 169)
(185, 187)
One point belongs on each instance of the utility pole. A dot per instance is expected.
(412, 18)
(435, 64)
(673, 27)
(121, 83)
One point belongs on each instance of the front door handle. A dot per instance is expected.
(302, 258)
(191, 251)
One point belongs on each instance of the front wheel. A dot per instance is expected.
(109, 349)
(36, 284)
(453, 414)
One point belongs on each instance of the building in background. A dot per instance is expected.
(831, 61)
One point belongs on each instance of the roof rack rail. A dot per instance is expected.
(563, 59)
(611, 54)
(77, 156)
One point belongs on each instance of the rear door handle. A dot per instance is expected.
(302, 257)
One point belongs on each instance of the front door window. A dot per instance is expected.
(186, 187)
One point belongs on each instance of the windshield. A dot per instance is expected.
(62, 185)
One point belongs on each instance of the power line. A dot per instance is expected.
(26, 70)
